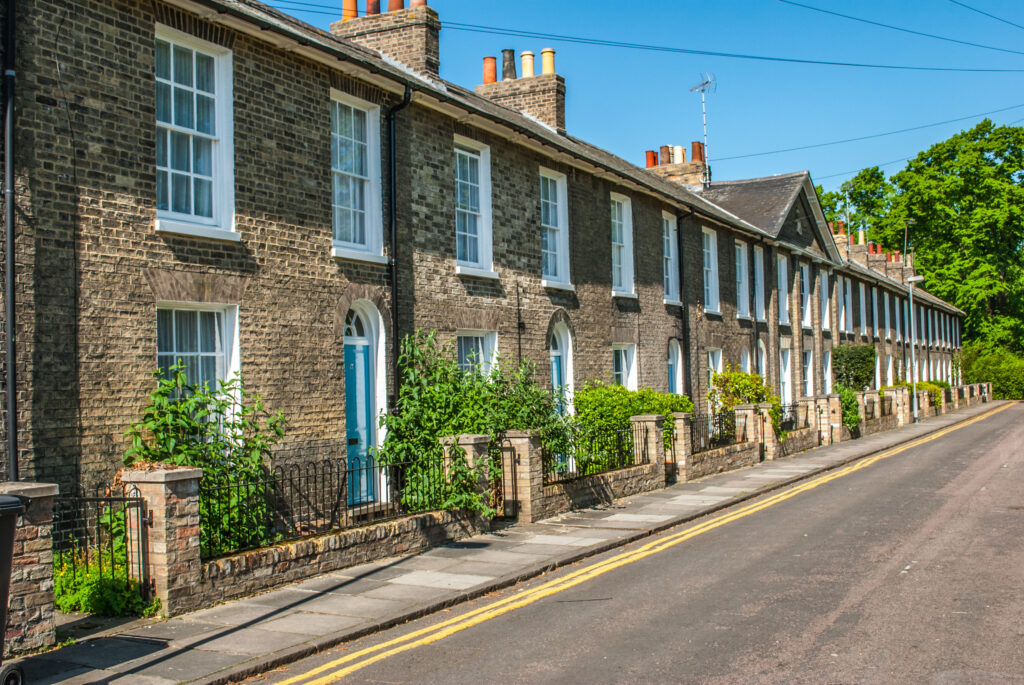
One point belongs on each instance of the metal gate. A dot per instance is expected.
(766, 425)
(100, 536)
(504, 493)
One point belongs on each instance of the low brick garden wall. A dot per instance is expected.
(799, 440)
(249, 573)
(601, 488)
(728, 458)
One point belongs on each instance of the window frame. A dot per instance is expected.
(628, 350)
(782, 283)
(841, 303)
(675, 367)
(786, 375)
(221, 225)
(825, 299)
(862, 291)
(373, 250)
(713, 357)
(760, 310)
(670, 261)
(848, 304)
(229, 332)
(742, 286)
(484, 266)
(874, 312)
(489, 348)
(709, 270)
(563, 281)
(827, 370)
(806, 319)
(808, 369)
(626, 266)
(888, 321)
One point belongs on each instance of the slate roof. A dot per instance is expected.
(764, 202)
(307, 36)
(880, 277)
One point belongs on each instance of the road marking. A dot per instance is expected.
(355, 661)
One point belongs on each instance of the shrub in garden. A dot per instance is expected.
(851, 412)
(602, 407)
(1004, 369)
(437, 400)
(853, 366)
(733, 387)
(228, 433)
(935, 391)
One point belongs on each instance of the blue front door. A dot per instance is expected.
(558, 382)
(359, 424)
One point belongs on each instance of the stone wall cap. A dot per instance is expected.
(161, 475)
(466, 439)
(746, 406)
(765, 405)
(29, 489)
(642, 418)
(682, 415)
(518, 434)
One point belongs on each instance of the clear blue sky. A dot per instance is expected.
(629, 100)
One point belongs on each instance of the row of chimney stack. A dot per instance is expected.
(350, 8)
(674, 154)
(508, 65)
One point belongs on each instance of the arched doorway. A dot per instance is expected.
(364, 392)
(560, 355)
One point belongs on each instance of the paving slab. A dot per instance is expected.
(248, 642)
(311, 623)
(441, 579)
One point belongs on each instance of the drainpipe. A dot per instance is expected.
(12, 396)
(392, 211)
(687, 377)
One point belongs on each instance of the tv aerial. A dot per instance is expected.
(707, 83)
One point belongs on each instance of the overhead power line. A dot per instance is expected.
(899, 28)
(853, 171)
(873, 135)
(990, 16)
(519, 33)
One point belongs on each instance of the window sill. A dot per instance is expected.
(808, 328)
(744, 317)
(348, 254)
(557, 285)
(624, 295)
(476, 272)
(196, 231)
(673, 303)
(713, 312)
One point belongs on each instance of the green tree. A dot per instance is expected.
(962, 204)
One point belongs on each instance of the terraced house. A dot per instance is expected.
(214, 181)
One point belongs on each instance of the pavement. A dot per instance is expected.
(232, 641)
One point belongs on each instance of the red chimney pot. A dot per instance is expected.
(490, 69)
(652, 159)
(372, 7)
(697, 153)
(396, 5)
(665, 155)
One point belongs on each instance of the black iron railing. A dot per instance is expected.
(98, 538)
(708, 431)
(594, 452)
(238, 513)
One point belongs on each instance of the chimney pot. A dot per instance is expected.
(697, 154)
(372, 7)
(349, 10)
(396, 5)
(678, 154)
(527, 64)
(490, 69)
(665, 155)
(652, 159)
(842, 227)
(508, 65)
(418, 3)
(547, 61)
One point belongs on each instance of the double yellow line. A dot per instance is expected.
(355, 661)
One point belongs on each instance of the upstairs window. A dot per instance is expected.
(848, 305)
(355, 177)
(874, 311)
(194, 175)
(742, 291)
(885, 306)
(805, 295)
(896, 314)
(862, 293)
(782, 263)
(709, 240)
(554, 228)
(472, 206)
(622, 245)
(759, 308)
(670, 256)
(825, 303)
(841, 303)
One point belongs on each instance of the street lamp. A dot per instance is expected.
(913, 343)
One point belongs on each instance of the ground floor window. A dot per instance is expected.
(200, 339)
(808, 373)
(476, 350)
(623, 366)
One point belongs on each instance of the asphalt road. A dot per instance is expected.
(910, 569)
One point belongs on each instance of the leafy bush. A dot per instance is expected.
(853, 366)
(602, 408)
(942, 384)
(935, 391)
(1005, 370)
(228, 433)
(438, 400)
(851, 412)
(733, 387)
